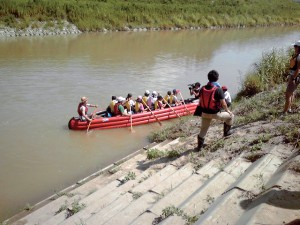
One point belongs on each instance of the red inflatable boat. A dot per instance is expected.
(137, 119)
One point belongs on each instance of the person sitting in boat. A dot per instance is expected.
(167, 97)
(110, 108)
(227, 96)
(159, 103)
(174, 99)
(130, 103)
(195, 90)
(119, 107)
(145, 97)
(152, 99)
(139, 107)
(82, 109)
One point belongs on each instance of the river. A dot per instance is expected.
(43, 78)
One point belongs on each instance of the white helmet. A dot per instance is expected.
(154, 93)
(121, 99)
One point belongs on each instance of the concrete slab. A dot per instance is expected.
(257, 175)
(144, 219)
(178, 195)
(100, 203)
(155, 179)
(203, 197)
(176, 220)
(45, 213)
(225, 210)
(174, 179)
(109, 211)
(132, 211)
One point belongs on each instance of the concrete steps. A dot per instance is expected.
(199, 200)
(51, 210)
(236, 193)
(102, 198)
(232, 204)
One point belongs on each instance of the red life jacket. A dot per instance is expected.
(207, 99)
(79, 111)
(116, 109)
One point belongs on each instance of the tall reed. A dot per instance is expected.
(269, 71)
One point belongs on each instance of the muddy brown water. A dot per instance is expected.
(43, 78)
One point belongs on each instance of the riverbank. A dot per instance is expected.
(132, 15)
(256, 167)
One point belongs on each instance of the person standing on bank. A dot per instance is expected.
(293, 79)
(82, 109)
(211, 101)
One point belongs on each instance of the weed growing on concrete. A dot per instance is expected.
(136, 195)
(260, 181)
(252, 157)
(145, 177)
(130, 176)
(68, 194)
(295, 166)
(114, 169)
(75, 208)
(172, 210)
(173, 153)
(62, 208)
(216, 145)
(154, 153)
(210, 199)
(28, 207)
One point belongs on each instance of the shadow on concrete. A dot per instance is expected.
(277, 198)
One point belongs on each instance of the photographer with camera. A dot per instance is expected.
(195, 90)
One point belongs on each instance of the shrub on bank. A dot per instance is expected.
(270, 71)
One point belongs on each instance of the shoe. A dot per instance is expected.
(227, 131)
(200, 143)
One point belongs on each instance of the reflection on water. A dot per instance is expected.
(43, 78)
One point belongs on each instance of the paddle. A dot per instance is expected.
(151, 112)
(131, 129)
(87, 130)
(184, 104)
(171, 107)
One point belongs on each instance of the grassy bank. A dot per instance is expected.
(261, 98)
(94, 15)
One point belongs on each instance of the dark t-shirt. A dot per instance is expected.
(219, 95)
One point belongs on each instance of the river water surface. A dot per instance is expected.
(43, 78)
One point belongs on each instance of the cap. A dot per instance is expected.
(121, 99)
(224, 88)
(147, 92)
(297, 43)
(139, 98)
(154, 93)
(175, 91)
(84, 99)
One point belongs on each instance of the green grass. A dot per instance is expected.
(94, 15)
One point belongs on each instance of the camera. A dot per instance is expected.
(192, 86)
